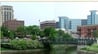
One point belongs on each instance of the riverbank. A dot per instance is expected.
(21, 51)
(86, 52)
(93, 49)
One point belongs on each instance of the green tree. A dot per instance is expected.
(33, 30)
(41, 33)
(21, 31)
(50, 32)
(67, 36)
(12, 34)
(62, 34)
(4, 31)
(95, 33)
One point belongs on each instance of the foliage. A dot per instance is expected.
(4, 31)
(21, 31)
(12, 34)
(34, 30)
(41, 33)
(50, 32)
(22, 44)
(95, 33)
(61, 33)
(33, 37)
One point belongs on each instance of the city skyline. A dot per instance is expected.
(32, 12)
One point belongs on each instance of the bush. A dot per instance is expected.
(25, 44)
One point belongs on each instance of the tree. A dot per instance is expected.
(33, 30)
(41, 33)
(62, 34)
(12, 34)
(21, 31)
(95, 33)
(50, 32)
(4, 31)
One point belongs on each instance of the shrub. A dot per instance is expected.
(25, 44)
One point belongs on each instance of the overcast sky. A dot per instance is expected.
(32, 12)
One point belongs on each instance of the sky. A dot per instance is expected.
(32, 12)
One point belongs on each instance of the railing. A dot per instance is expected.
(70, 41)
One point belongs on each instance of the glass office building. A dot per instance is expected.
(83, 21)
(64, 22)
(74, 23)
(92, 18)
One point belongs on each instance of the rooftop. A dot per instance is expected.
(88, 25)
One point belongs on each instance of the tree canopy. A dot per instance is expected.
(95, 33)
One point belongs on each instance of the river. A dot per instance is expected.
(53, 51)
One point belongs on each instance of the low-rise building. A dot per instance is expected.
(50, 23)
(86, 30)
(13, 24)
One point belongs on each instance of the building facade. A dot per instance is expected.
(92, 18)
(0, 18)
(7, 13)
(87, 30)
(83, 21)
(57, 25)
(74, 23)
(13, 24)
(64, 22)
(50, 23)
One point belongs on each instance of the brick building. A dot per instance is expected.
(86, 30)
(50, 23)
(13, 24)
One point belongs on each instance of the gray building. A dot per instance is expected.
(7, 13)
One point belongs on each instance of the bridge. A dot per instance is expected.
(74, 41)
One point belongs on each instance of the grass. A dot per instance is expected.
(93, 48)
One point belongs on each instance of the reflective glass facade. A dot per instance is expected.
(64, 22)
(92, 18)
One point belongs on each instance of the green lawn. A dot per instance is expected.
(93, 48)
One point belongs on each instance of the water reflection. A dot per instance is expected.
(54, 51)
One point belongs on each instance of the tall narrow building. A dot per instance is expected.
(0, 18)
(92, 18)
(64, 22)
(7, 13)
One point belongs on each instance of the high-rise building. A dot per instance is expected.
(92, 18)
(0, 18)
(7, 13)
(74, 23)
(64, 22)
(83, 21)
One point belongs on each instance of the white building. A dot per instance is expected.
(6, 13)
